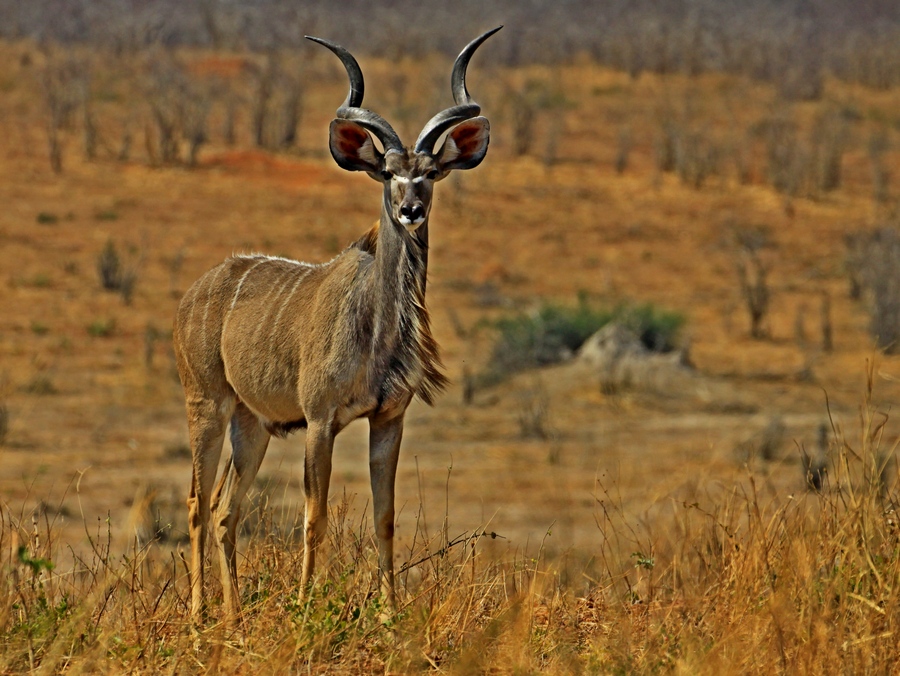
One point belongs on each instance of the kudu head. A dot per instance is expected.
(409, 173)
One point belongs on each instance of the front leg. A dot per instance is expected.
(316, 477)
(384, 451)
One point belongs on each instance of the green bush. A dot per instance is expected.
(553, 333)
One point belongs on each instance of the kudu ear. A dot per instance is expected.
(466, 145)
(353, 149)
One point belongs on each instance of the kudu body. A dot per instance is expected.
(271, 345)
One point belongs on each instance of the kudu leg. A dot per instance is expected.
(249, 441)
(206, 427)
(384, 451)
(316, 477)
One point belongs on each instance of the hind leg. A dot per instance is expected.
(249, 440)
(207, 420)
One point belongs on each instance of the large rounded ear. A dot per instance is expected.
(352, 147)
(466, 145)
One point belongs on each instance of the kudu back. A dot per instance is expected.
(271, 345)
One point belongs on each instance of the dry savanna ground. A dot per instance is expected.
(663, 524)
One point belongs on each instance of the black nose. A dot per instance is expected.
(412, 211)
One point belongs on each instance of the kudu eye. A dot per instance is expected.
(431, 175)
(386, 175)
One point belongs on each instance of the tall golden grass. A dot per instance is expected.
(755, 582)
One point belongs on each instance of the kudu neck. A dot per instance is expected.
(401, 327)
(399, 251)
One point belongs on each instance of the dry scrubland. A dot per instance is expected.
(644, 526)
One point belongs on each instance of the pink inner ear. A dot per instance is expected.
(467, 137)
(350, 138)
(464, 137)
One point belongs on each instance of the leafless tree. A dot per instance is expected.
(753, 271)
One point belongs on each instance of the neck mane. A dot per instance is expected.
(405, 355)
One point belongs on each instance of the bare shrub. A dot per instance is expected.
(742, 150)
(175, 263)
(828, 141)
(871, 57)
(666, 144)
(752, 272)
(523, 115)
(88, 120)
(856, 244)
(766, 444)
(874, 266)
(164, 89)
(109, 267)
(195, 107)
(114, 275)
(262, 95)
(696, 157)
(4, 421)
(800, 324)
(878, 146)
(62, 87)
(527, 105)
(784, 154)
(152, 336)
(623, 150)
(826, 324)
(799, 74)
(229, 128)
(277, 104)
(292, 93)
(534, 412)
(815, 464)
(4, 408)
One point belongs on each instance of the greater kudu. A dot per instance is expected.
(273, 345)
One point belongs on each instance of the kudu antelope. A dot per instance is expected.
(272, 345)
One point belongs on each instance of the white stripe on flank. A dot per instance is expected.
(212, 285)
(284, 304)
(237, 292)
(276, 258)
(269, 309)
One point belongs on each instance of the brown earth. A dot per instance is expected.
(95, 409)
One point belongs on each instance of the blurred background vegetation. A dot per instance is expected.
(788, 42)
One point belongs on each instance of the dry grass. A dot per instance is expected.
(756, 582)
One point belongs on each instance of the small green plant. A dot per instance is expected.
(39, 328)
(40, 281)
(553, 333)
(40, 385)
(35, 563)
(642, 561)
(47, 218)
(106, 215)
(102, 328)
